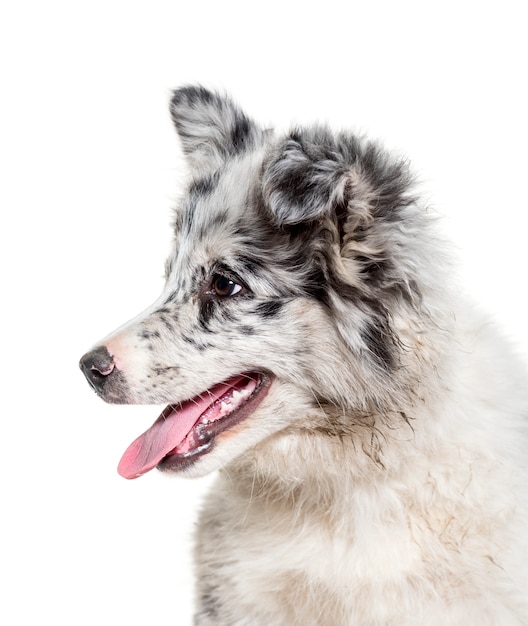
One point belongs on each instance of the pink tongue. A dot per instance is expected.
(168, 432)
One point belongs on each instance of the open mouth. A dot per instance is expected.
(186, 431)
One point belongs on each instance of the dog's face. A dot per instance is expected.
(279, 294)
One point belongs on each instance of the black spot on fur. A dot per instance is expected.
(167, 322)
(205, 186)
(150, 334)
(171, 298)
(205, 312)
(218, 220)
(198, 275)
(192, 95)
(240, 133)
(250, 265)
(374, 271)
(317, 285)
(209, 604)
(378, 339)
(165, 369)
(201, 346)
(168, 314)
(230, 316)
(269, 309)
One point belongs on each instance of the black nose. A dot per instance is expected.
(97, 366)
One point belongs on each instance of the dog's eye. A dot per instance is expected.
(224, 287)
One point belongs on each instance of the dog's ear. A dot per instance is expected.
(211, 128)
(314, 173)
(304, 179)
(360, 220)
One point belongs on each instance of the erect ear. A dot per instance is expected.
(211, 128)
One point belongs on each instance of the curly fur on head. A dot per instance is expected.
(369, 427)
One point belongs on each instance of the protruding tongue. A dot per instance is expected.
(168, 432)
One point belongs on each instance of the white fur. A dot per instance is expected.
(303, 531)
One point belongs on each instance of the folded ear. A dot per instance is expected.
(305, 178)
(355, 206)
(211, 128)
(314, 173)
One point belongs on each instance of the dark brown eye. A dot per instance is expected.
(224, 287)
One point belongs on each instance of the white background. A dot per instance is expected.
(89, 169)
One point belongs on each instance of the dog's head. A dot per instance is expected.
(293, 258)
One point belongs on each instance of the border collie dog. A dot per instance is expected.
(368, 426)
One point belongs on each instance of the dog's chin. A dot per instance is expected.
(222, 453)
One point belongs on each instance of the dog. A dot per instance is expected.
(368, 424)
